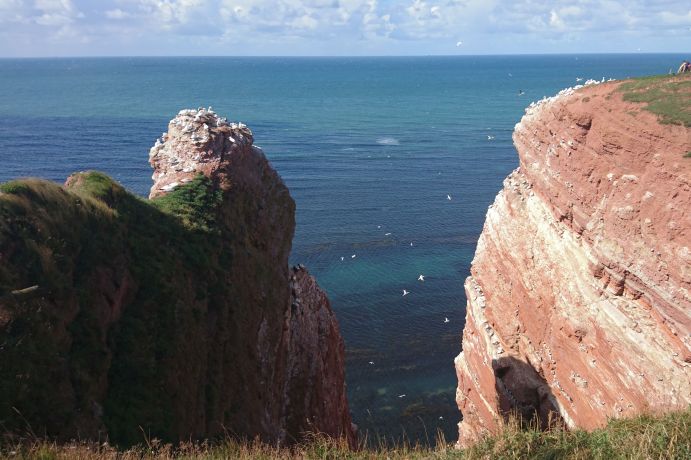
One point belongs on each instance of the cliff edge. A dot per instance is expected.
(177, 316)
(579, 299)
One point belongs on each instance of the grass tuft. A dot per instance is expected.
(668, 97)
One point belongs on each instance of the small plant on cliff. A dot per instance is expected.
(687, 155)
(195, 203)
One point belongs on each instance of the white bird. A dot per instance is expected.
(421, 278)
(378, 226)
(405, 293)
(387, 234)
(342, 258)
(489, 138)
(459, 43)
(448, 197)
(353, 256)
(510, 74)
(446, 320)
(579, 79)
(401, 396)
(371, 362)
(441, 418)
(411, 243)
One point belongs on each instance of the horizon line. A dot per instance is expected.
(317, 56)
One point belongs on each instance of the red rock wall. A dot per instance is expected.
(579, 299)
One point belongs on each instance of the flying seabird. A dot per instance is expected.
(342, 258)
(446, 320)
(421, 278)
(387, 234)
(448, 197)
(353, 256)
(490, 138)
(401, 396)
(405, 293)
(371, 362)
(579, 79)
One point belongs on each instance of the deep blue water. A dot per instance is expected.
(367, 146)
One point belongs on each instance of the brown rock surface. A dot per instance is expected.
(579, 299)
(199, 142)
(179, 316)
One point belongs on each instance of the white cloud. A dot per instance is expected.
(12, 11)
(309, 26)
(168, 14)
(310, 18)
(676, 19)
(56, 13)
(117, 13)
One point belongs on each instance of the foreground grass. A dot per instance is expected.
(669, 97)
(643, 437)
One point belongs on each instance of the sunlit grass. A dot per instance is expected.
(643, 437)
(667, 96)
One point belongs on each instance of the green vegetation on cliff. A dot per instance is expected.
(667, 96)
(70, 259)
(643, 437)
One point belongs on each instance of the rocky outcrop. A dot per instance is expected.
(177, 317)
(201, 142)
(579, 299)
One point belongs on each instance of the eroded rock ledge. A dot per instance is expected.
(579, 299)
(178, 316)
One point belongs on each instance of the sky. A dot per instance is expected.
(51, 28)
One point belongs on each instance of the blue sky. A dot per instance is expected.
(340, 27)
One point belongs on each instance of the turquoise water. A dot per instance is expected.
(367, 146)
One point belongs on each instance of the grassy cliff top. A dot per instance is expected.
(66, 254)
(667, 96)
(643, 437)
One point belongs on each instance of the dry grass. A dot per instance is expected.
(643, 437)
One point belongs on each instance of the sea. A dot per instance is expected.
(392, 162)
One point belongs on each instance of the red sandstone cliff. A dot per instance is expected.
(579, 299)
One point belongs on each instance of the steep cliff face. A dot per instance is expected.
(579, 299)
(178, 315)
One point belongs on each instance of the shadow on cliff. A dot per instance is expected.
(523, 394)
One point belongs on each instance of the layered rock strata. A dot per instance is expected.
(579, 299)
(177, 317)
